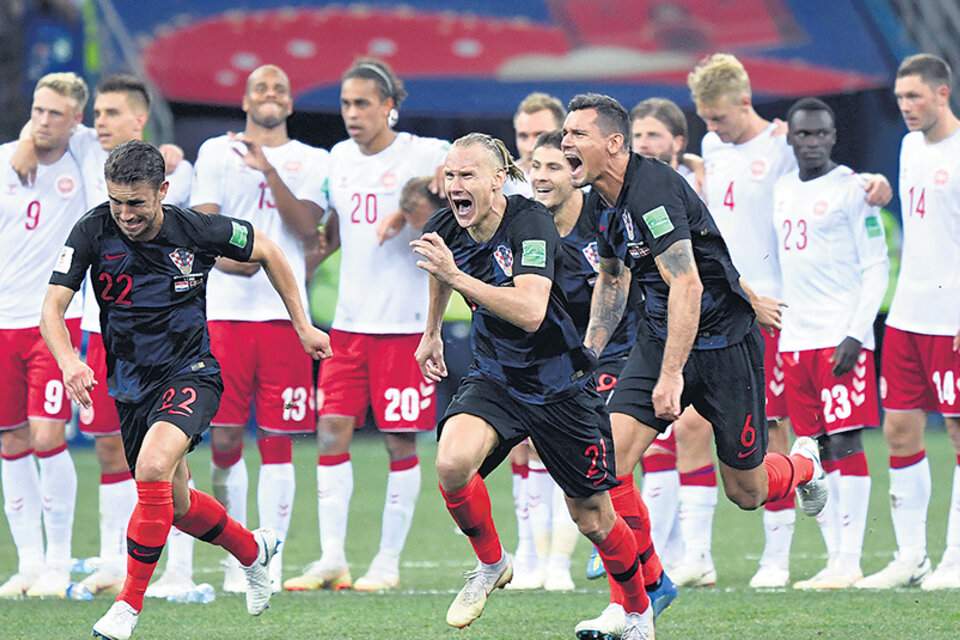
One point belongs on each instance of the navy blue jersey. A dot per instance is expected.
(581, 266)
(151, 294)
(656, 208)
(538, 367)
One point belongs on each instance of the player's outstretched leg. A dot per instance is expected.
(470, 508)
(258, 572)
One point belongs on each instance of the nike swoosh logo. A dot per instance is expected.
(114, 256)
(603, 227)
(744, 454)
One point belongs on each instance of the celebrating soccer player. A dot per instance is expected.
(529, 378)
(149, 263)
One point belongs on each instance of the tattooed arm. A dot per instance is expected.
(606, 307)
(679, 270)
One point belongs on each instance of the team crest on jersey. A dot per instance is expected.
(940, 177)
(388, 180)
(628, 225)
(66, 185)
(592, 255)
(820, 208)
(183, 258)
(758, 168)
(292, 166)
(504, 257)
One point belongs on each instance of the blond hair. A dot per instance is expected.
(718, 76)
(498, 153)
(68, 85)
(540, 101)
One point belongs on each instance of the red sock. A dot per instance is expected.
(621, 560)
(628, 503)
(275, 450)
(784, 473)
(146, 534)
(470, 508)
(207, 520)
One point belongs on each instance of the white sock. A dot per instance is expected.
(697, 506)
(117, 500)
(778, 531)
(829, 518)
(21, 503)
(526, 550)
(854, 492)
(230, 486)
(661, 493)
(403, 487)
(276, 488)
(540, 508)
(58, 489)
(334, 489)
(952, 552)
(564, 532)
(909, 498)
(180, 548)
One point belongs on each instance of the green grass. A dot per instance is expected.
(436, 554)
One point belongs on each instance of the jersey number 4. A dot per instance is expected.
(728, 197)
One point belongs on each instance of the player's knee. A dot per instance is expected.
(747, 498)
(454, 471)
(151, 469)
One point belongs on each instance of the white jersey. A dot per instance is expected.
(927, 299)
(34, 224)
(833, 257)
(518, 187)
(85, 147)
(739, 194)
(688, 175)
(382, 290)
(223, 179)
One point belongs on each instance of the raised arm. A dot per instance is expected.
(271, 258)
(609, 300)
(78, 378)
(679, 270)
(302, 216)
(523, 305)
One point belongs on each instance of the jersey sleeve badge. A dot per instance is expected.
(658, 221)
(239, 236)
(534, 253)
(64, 260)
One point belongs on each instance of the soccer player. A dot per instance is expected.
(377, 325)
(833, 259)
(149, 264)
(677, 477)
(577, 225)
(743, 158)
(529, 377)
(698, 343)
(533, 487)
(35, 220)
(921, 349)
(121, 107)
(276, 183)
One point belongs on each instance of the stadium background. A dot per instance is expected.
(466, 66)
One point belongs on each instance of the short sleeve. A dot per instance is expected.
(436, 223)
(181, 181)
(224, 236)
(663, 220)
(534, 241)
(75, 257)
(207, 176)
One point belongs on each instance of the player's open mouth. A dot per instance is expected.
(576, 165)
(542, 190)
(462, 206)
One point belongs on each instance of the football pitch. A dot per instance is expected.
(436, 554)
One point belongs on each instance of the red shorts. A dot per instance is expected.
(263, 362)
(101, 419)
(920, 372)
(379, 370)
(31, 385)
(822, 404)
(773, 372)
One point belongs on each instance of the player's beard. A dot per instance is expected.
(268, 122)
